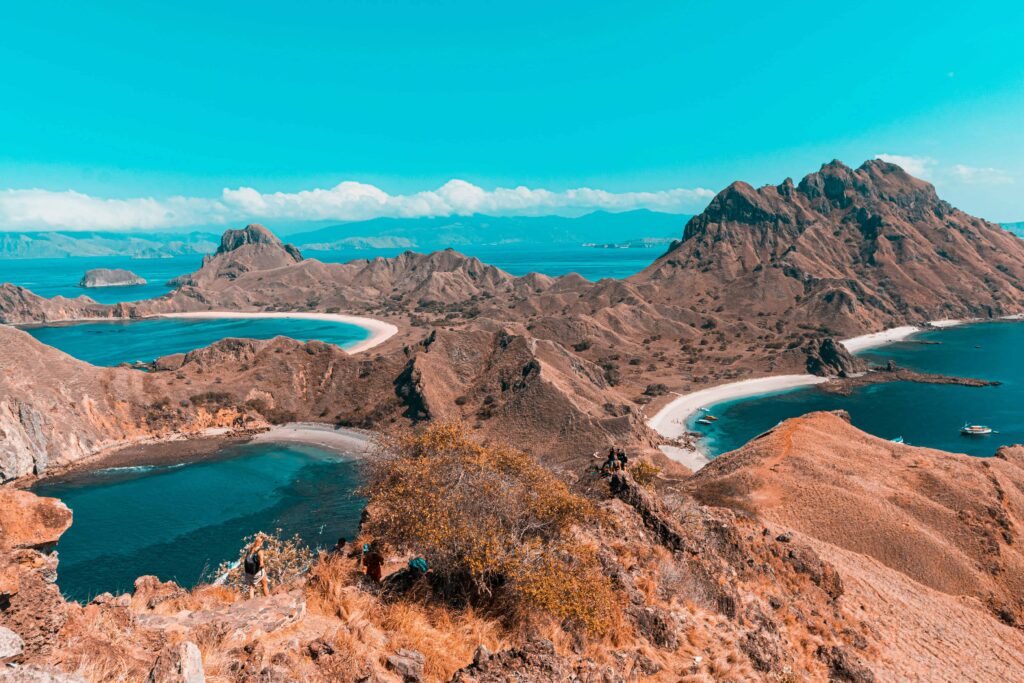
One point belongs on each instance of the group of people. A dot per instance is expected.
(370, 561)
(616, 461)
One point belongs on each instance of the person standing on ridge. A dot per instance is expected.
(254, 567)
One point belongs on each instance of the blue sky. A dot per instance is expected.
(127, 114)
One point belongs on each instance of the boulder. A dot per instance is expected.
(28, 521)
(11, 644)
(408, 664)
(181, 663)
(36, 674)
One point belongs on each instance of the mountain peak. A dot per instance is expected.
(254, 233)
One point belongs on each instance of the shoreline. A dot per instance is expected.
(191, 449)
(380, 331)
(670, 421)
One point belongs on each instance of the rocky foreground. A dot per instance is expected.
(816, 552)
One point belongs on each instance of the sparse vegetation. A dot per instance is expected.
(494, 525)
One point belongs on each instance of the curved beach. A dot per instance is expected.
(379, 330)
(670, 421)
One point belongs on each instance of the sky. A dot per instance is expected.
(143, 116)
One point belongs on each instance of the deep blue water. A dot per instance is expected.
(52, 276)
(923, 414)
(111, 343)
(179, 522)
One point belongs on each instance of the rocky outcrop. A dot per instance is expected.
(110, 277)
(253, 248)
(829, 358)
(30, 603)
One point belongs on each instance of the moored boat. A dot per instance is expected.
(975, 430)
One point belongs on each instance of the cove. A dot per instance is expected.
(923, 414)
(114, 342)
(180, 521)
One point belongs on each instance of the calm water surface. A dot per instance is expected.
(923, 414)
(111, 343)
(180, 521)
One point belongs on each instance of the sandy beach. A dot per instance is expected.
(349, 441)
(870, 341)
(380, 331)
(670, 421)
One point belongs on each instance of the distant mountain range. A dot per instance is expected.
(136, 245)
(423, 234)
(599, 227)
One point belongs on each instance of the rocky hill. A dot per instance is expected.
(847, 250)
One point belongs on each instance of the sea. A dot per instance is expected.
(922, 414)
(182, 520)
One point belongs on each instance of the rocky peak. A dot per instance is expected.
(254, 233)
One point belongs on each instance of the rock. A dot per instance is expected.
(35, 674)
(180, 663)
(319, 648)
(151, 591)
(827, 357)
(845, 666)
(408, 664)
(30, 521)
(11, 644)
(784, 538)
(110, 277)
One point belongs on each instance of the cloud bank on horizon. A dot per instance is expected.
(37, 209)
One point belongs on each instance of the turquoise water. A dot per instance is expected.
(111, 343)
(178, 522)
(60, 276)
(923, 414)
(50, 277)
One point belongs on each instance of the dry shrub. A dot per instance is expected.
(286, 560)
(493, 523)
(644, 473)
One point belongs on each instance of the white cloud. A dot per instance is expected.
(919, 167)
(974, 175)
(37, 209)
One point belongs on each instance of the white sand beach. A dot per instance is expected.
(870, 341)
(380, 331)
(670, 421)
(945, 322)
(348, 441)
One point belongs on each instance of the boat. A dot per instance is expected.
(975, 430)
(898, 439)
(711, 417)
(705, 421)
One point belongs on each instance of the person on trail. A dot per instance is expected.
(610, 464)
(255, 568)
(623, 459)
(373, 561)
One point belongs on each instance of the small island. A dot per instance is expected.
(110, 277)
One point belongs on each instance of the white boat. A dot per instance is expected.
(975, 430)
